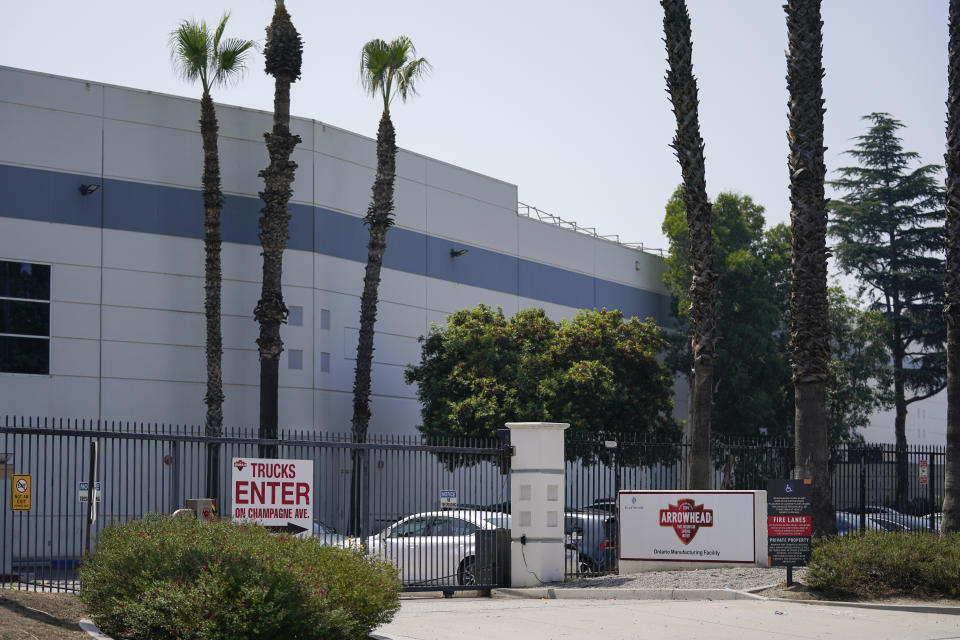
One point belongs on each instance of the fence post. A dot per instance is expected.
(91, 491)
(863, 490)
(537, 500)
(931, 477)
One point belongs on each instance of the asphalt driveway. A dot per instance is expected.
(501, 619)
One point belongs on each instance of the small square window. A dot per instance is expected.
(324, 318)
(324, 362)
(295, 316)
(295, 359)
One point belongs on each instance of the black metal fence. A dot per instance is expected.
(863, 481)
(395, 483)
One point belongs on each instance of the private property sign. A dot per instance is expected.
(275, 493)
(688, 526)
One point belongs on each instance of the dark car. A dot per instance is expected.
(890, 516)
(593, 533)
(850, 523)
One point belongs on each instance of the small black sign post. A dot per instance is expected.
(789, 524)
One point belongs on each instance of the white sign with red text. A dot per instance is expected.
(690, 526)
(274, 493)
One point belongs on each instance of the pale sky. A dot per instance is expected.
(566, 101)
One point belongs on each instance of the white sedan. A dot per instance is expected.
(436, 547)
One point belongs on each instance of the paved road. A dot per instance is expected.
(485, 618)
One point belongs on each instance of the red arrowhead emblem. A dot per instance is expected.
(239, 464)
(686, 518)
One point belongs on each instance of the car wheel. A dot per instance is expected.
(467, 575)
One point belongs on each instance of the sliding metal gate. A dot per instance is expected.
(383, 495)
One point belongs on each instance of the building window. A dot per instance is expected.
(324, 318)
(295, 316)
(295, 359)
(24, 317)
(324, 362)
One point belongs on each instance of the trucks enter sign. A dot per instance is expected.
(275, 493)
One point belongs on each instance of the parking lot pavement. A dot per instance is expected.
(485, 618)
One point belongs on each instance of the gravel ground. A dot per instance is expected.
(740, 578)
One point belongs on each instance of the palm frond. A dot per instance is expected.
(219, 32)
(231, 60)
(374, 66)
(409, 75)
(190, 50)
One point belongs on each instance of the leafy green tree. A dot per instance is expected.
(809, 329)
(753, 268)
(951, 489)
(751, 373)
(284, 56)
(201, 54)
(889, 226)
(599, 372)
(860, 378)
(688, 145)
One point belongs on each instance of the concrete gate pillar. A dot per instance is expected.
(537, 503)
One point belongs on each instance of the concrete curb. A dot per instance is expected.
(87, 625)
(551, 593)
(906, 608)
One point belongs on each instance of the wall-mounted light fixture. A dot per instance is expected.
(87, 189)
(456, 253)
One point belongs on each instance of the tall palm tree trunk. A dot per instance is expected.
(212, 205)
(283, 53)
(810, 331)
(951, 490)
(688, 145)
(378, 219)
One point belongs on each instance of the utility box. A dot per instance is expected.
(493, 557)
(202, 507)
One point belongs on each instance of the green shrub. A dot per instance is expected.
(162, 578)
(885, 564)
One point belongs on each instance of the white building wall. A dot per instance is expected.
(127, 262)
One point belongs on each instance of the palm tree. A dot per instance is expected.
(951, 489)
(809, 329)
(201, 55)
(688, 145)
(387, 70)
(284, 54)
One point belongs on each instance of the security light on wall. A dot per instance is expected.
(456, 253)
(87, 189)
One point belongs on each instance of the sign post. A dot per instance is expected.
(277, 494)
(789, 524)
(91, 500)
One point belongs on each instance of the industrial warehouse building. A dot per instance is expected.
(102, 291)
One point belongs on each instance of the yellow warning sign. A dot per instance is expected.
(22, 492)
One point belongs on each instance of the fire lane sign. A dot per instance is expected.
(22, 491)
(277, 494)
(789, 523)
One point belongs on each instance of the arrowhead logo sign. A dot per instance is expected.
(239, 464)
(686, 517)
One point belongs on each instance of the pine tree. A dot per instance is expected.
(889, 227)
